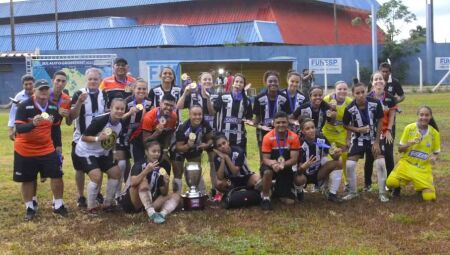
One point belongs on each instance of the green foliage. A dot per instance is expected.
(364, 75)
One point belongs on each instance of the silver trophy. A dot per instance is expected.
(193, 199)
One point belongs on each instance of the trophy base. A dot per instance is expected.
(194, 203)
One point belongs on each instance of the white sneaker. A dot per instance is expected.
(383, 198)
(350, 196)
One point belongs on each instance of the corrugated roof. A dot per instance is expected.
(150, 36)
(68, 25)
(43, 7)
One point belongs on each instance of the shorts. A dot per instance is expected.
(312, 178)
(240, 181)
(27, 168)
(76, 162)
(104, 163)
(404, 173)
(284, 181)
(124, 200)
(137, 150)
(360, 150)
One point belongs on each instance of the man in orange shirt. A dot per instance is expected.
(120, 84)
(37, 122)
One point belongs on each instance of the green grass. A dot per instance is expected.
(364, 226)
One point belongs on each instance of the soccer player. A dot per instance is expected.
(317, 161)
(37, 122)
(280, 148)
(120, 84)
(363, 117)
(87, 103)
(232, 108)
(420, 146)
(94, 152)
(389, 110)
(192, 138)
(296, 98)
(231, 165)
(167, 86)
(267, 104)
(24, 94)
(148, 186)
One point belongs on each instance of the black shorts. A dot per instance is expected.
(27, 168)
(137, 150)
(76, 162)
(361, 149)
(104, 163)
(240, 181)
(124, 200)
(312, 178)
(284, 181)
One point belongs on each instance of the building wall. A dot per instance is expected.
(10, 82)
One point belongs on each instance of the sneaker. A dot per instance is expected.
(333, 198)
(81, 203)
(218, 197)
(62, 211)
(100, 198)
(367, 188)
(300, 195)
(93, 211)
(266, 205)
(383, 198)
(350, 196)
(29, 214)
(157, 218)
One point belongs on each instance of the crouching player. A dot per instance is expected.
(318, 161)
(420, 146)
(231, 165)
(148, 187)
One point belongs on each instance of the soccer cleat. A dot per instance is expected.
(350, 196)
(29, 214)
(333, 198)
(81, 203)
(157, 218)
(62, 211)
(266, 205)
(383, 198)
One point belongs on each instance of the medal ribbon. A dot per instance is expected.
(42, 109)
(281, 149)
(292, 100)
(59, 99)
(275, 106)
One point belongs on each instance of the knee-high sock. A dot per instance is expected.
(351, 175)
(335, 181)
(177, 185)
(92, 192)
(123, 167)
(169, 206)
(111, 188)
(380, 164)
(146, 200)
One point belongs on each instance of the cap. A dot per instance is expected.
(120, 60)
(40, 84)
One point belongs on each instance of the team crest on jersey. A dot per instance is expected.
(418, 154)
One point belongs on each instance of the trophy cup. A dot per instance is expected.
(193, 199)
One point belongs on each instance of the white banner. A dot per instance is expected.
(442, 63)
(150, 71)
(333, 65)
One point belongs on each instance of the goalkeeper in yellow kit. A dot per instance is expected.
(420, 146)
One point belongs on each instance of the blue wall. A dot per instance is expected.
(10, 82)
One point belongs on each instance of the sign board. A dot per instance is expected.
(150, 70)
(442, 63)
(333, 65)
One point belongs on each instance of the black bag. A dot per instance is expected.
(241, 197)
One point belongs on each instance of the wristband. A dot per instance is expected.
(96, 139)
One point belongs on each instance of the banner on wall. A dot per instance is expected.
(150, 71)
(333, 65)
(442, 63)
(44, 67)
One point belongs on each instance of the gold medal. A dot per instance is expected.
(162, 171)
(281, 160)
(184, 76)
(417, 140)
(108, 131)
(45, 116)
(328, 113)
(193, 85)
(163, 121)
(192, 136)
(140, 107)
(333, 102)
(333, 148)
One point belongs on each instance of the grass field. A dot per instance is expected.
(362, 226)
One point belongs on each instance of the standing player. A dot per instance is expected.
(120, 84)
(296, 98)
(167, 86)
(24, 94)
(87, 103)
(94, 152)
(267, 104)
(363, 117)
(232, 108)
(280, 150)
(420, 146)
(37, 122)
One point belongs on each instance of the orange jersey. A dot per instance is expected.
(111, 83)
(281, 146)
(151, 120)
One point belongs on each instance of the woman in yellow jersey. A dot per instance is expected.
(334, 130)
(420, 146)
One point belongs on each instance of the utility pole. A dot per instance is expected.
(336, 34)
(56, 25)
(13, 30)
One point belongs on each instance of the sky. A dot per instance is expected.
(418, 7)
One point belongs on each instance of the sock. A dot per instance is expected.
(111, 188)
(57, 203)
(146, 198)
(177, 185)
(380, 164)
(29, 204)
(92, 192)
(169, 206)
(335, 180)
(150, 211)
(351, 175)
(122, 166)
(265, 198)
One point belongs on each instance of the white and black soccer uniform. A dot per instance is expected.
(94, 105)
(295, 100)
(265, 109)
(182, 135)
(369, 116)
(318, 148)
(98, 154)
(230, 111)
(156, 94)
(238, 158)
(130, 139)
(195, 98)
(318, 115)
